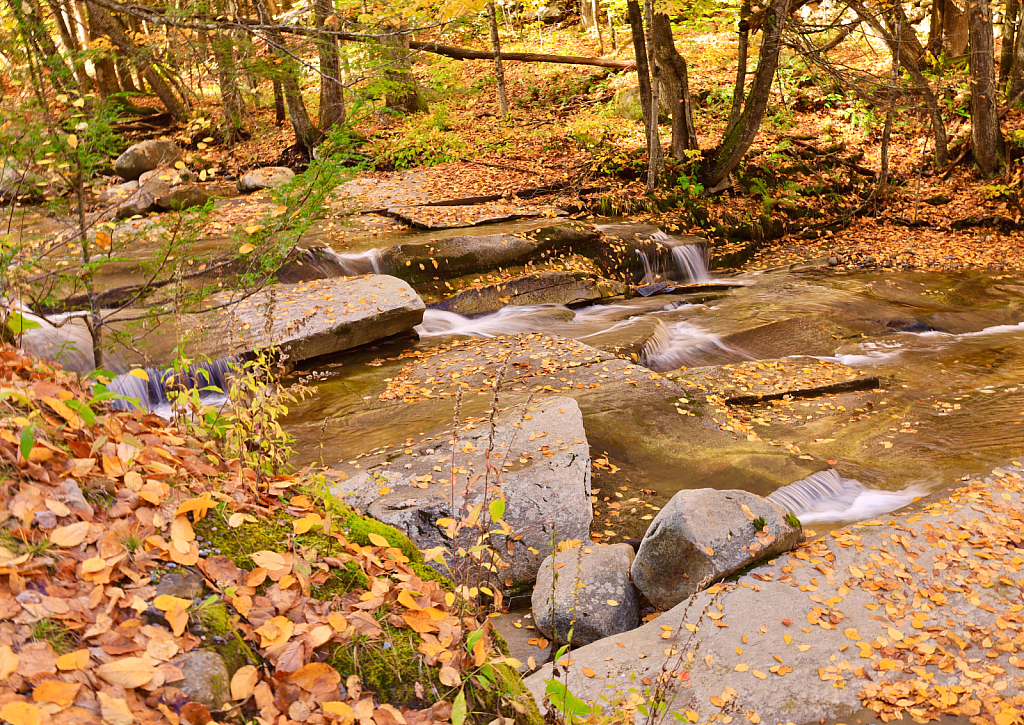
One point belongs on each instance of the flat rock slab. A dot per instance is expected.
(470, 215)
(751, 382)
(309, 319)
(560, 288)
(536, 458)
(430, 185)
(888, 613)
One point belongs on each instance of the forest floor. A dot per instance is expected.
(579, 126)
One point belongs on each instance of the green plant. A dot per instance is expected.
(759, 523)
(792, 520)
(61, 637)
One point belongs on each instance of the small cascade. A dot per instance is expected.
(649, 274)
(212, 379)
(826, 497)
(349, 265)
(683, 344)
(506, 321)
(691, 260)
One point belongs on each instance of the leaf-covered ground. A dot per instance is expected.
(321, 615)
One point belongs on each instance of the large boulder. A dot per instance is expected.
(265, 178)
(704, 535)
(586, 589)
(144, 199)
(543, 458)
(146, 156)
(20, 183)
(556, 287)
(303, 321)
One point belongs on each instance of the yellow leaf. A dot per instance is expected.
(103, 240)
(306, 523)
(252, 229)
(243, 682)
(339, 711)
(67, 537)
(742, 667)
(612, 603)
(21, 713)
(165, 602)
(383, 490)
(709, 550)
(759, 675)
(852, 633)
(115, 710)
(895, 635)
(587, 672)
(56, 691)
(278, 211)
(73, 419)
(237, 519)
(1007, 717)
(377, 540)
(8, 662)
(127, 672)
(246, 248)
(338, 621)
(276, 631)
(72, 141)
(406, 600)
(139, 373)
(77, 660)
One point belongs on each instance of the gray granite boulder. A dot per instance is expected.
(118, 192)
(182, 197)
(542, 453)
(264, 178)
(704, 535)
(586, 589)
(206, 678)
(146, 156)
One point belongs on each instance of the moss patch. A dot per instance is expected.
(223, 637)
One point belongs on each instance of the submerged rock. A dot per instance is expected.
(586, 589)
(560, 288)
(265, 178)
(750, 382)
(704, 535)
(542, 453)
(146, 156)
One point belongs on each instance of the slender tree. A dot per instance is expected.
(499, 69)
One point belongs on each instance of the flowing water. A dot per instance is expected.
(948, 349)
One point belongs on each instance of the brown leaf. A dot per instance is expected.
(318, 678)
(56, 691)
(127, 672)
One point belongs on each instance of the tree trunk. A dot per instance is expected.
(61, 17)
(231, 104)
(643, 72)
(654, 156)
(1017, 66)
(677, 87)
(740, 87)
(307, 136)
(471, 54)
(32, 27)
(499, 69)
(332, 90)
(280, 115)
(402, 94)
(124, 74)
(595, 9)
(108, 26)
(912, 64)
(102, 63)
(986, 137)
(955, 30)
(737, 141)
(1006, 45)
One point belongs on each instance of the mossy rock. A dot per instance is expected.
(213, 617)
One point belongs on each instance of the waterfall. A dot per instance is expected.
(350, 265)
(649, 275)
(827, 496)
(684, 344)
(691, 259)
(511, 320)
(212, 379)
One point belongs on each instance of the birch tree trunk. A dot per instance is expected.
(499, 69)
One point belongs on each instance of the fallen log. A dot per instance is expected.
(468, 54)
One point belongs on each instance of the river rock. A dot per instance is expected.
(545, 482)
(456, 256)
(146, 156)
(182, 198)
(206, 679)
(184, 584)
(586, 589)
(305, 320)
(265, 178)
(170, 174)
(704, 535)
(556, 287)
(144, 199)
(118, 192)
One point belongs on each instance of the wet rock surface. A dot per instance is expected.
(704, 535)
(586, 589)
(560, 288)
(826, 629)
(751, 382)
